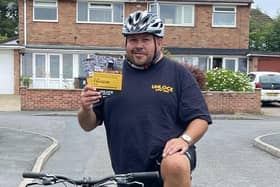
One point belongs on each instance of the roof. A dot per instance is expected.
(207, 51)
(11, 43)
(12, 40)
(264, 54)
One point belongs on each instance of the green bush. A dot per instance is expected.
(227, 80)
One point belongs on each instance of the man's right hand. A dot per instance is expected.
(89, 97)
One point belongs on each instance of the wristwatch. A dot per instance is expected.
(187, 138)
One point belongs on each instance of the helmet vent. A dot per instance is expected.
(143, 22)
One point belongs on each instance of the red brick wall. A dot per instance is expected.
(44, 99)
(233, 102)
(203, 35)
(218, 102)
(67, 32)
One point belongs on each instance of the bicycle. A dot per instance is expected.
(119, 179)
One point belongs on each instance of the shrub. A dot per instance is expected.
(227, 80)
(198, 75)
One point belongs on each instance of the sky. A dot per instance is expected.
(269, 7)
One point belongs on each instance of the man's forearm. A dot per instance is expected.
(87, 119)
(196, 129)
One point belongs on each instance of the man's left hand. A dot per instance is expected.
(175, 145)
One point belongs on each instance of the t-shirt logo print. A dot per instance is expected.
(162, 88)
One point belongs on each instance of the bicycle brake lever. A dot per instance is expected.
(31, 184)
(135, 182)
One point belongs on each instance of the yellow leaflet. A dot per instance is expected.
(106, 80)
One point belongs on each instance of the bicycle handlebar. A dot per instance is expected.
(145, 175)
(49, 179)
(33, 175)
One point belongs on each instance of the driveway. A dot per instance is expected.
(272, 109)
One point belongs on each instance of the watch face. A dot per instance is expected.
(187, 138)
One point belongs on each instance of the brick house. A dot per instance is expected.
(56, 35)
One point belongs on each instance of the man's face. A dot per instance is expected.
(140, 48)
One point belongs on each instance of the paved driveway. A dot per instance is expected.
(272, 109)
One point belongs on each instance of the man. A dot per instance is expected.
(159, 115)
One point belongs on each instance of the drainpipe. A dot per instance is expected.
(24, 23)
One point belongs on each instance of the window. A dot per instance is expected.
(67, 66)
(224, 16)
(40, 68)
(242, 65)
(177, 14)
(82, 57)
(45, 10)
(100, 12)
(54, 64)
(199, 62)
(230, 64)
(217, 62)
(26, 70)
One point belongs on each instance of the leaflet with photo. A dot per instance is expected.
(104, 73)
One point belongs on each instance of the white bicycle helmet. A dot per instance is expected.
(143, 22)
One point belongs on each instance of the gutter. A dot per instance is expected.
(11, 47)
(74, 49)
(263, 55)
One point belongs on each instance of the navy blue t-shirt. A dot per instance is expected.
(154, 106)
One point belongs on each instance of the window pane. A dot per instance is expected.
(81, 69)
(118, 13)
(45, 13)
(173, 14)
(242, 65)
(179, 15)
(27, 65)
(202, 63)
(40, 66)
(224, 19)
(230, 64)
(100, 15)
(188, 12)
(82, 11)
(45, 3)
(67, 66)
(168, 14)
(225, 9)
(54, 66)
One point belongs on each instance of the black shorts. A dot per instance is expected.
(191, 154)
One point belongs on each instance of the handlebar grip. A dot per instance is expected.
(33, 175)
(145, 175)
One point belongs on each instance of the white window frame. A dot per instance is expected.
(219, 11)
(35, 5)
(181, 59)
(182, 18)
(96, 7)
(47, 81)
(224, 58)
(235, 63)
